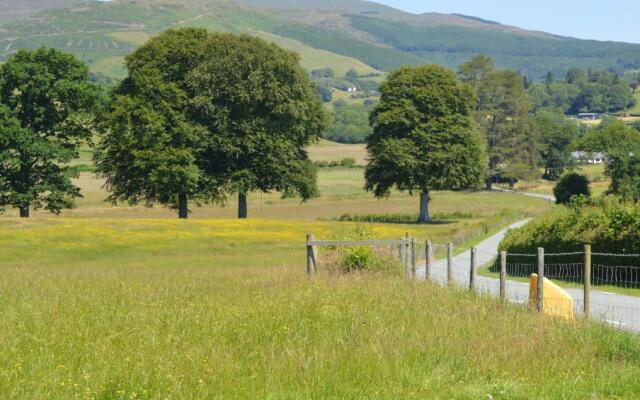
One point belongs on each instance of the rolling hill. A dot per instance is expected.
(12, 10)
(341, 35)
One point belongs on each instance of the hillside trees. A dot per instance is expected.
(621, 145)
(502, 112)
(584, 91)
(46, 100)
(202, 115)
(262, 112)
(424, 136)
(556, 136)
(350, 123)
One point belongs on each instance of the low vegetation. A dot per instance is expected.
(146, 309)
(610, 225)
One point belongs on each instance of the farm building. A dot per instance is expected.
(587, 157)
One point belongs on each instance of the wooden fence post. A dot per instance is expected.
(414, 258)
(429, 261)
(450, 264)
(503, 275)
(587, 281)
(540, 288)
(311, 256)
(407, 255)
(472, 272)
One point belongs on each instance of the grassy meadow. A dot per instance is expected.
(121, 302)
(596, 174)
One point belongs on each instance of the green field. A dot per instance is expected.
(154, 309)
(130, 303)
(596, 174)
(636, 109)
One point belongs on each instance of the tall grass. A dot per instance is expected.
(146, 309)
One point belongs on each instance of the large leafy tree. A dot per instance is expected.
(557, 134)
(424, 136)
(621, 145)
(46, 99)
(151, 151)
(502, 113)
(262, 112)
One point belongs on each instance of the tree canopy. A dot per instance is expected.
(262, 112)
(151, 151)
(350, 123)
(557, 135)
(424, 136)
(46, 100)
(502, 112)
(584, 91)
(202, 115)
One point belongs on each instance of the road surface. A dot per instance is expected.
(618, 310)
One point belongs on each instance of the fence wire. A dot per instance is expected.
(609, 271)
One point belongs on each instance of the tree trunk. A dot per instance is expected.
(24, 211)
(424, 208)
(243, 212)
(183, 206)
(488, 183)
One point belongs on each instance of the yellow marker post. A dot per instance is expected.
(557, 302)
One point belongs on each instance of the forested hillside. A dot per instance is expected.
(11, 10)
(328, 34)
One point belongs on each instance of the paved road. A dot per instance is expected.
(618, 310)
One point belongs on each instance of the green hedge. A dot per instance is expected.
(610, 225)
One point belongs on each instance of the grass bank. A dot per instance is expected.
(200, 332)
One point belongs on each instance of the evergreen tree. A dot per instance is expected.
(502, 113)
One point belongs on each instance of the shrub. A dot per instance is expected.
(348, 162)
(401, 218)
(610, 225)
(571, 185)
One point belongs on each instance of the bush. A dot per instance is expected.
(571, 185)
(348, 162)
(344, 163)
(401, 218)
(610, 225)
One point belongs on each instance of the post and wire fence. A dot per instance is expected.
(599, 285)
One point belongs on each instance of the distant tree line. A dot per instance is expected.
(582, 91)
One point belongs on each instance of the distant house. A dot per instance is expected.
(587, 157)
(589, 116)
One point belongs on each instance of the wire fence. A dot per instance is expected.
(614, 299)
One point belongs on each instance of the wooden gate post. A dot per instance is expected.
(311, 256)
(540, 288)
(472, 272)
(503, 275)
(587, 281)
(450, 264)
(429, 261)
(414, 259)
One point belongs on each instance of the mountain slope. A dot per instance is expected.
(102, 33)
(327, 33)
(12, 10)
